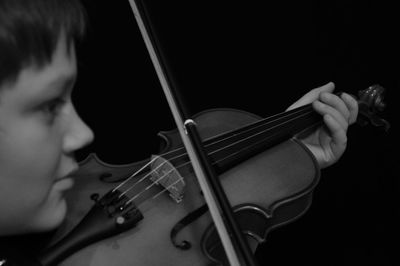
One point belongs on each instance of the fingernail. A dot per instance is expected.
(347, 96)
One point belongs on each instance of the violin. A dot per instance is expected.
(152, 212)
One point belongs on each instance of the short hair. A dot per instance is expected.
(30, 30)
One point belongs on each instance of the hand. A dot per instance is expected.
(329, 141)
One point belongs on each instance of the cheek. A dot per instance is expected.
(41, 167)
(28, 170)
(30, 155)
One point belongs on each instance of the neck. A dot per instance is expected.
(231, 148)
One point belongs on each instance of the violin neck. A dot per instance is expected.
(234, 147)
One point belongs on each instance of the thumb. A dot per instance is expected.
(328, 87)
(312, 95)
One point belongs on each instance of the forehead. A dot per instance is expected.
(36, 80)
(62, 64)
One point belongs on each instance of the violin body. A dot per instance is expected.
(267, 190)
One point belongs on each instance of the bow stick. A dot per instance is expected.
(209, 182)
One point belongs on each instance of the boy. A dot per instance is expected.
(40, 129)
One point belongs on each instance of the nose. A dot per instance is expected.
(78, 133)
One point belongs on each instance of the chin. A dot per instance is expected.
(50, 218)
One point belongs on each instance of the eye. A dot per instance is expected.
(53, 107)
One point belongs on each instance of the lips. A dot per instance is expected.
(64, 183)
(71, 172)
(68, 173)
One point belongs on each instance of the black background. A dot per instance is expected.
(259, 57)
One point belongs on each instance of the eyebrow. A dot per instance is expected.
(61, 85)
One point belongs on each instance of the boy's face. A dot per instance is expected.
(39, 131)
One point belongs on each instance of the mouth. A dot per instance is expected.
(68, 174)
(71, 172)
(64, 183)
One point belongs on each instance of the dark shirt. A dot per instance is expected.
(22, 250)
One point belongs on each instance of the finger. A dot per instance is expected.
(352, 106)
(338, 135)
(312, 95)
(324, 109)
(337, 103)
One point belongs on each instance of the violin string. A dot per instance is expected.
(300, 109)
(134, 174)
(216, 162)
(152, 184)
(167, 188)
(245, 148)
(177, 167)
(253, 136)
(188, 163)
(141, 179)
(260, 123)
